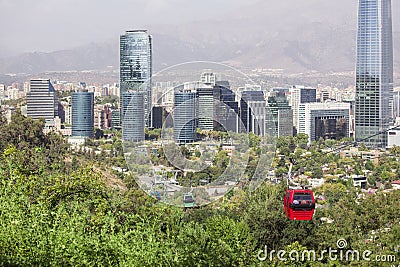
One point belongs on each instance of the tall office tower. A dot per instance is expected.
(301, 95)
(136, 71)
(328, 120)
(133, 123)
(226, 109)
(205, 102)
(374, 71)
(82, 114)
(42, 100)
(279, 115)
(252, 112)
(184, 115)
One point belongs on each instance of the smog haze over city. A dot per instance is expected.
(246, 34)
(200, 133)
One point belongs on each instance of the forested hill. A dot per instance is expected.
(58, 209)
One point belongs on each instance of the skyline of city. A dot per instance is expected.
(136, 51)
(208, 142)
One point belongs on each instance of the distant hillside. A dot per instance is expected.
(311, 35)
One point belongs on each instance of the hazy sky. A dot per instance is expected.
(48, 25)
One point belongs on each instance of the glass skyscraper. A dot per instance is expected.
(279, 115)
(83, 114)
(374, 71)
(133, 123)
(135, 72)
(252, 112)
(226, 109)
(184, 116)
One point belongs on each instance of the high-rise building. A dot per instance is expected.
(300, 95)
(82, 114)
(226, 109)
(279, 115)
(136, 72)
(374, 71)
(42, 100)
(205, 100)
(133, 123)
(252, 112)
(328, 120)
(184, 115)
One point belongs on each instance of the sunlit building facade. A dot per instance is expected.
(374, 72)
(42, 100)
(136, 72)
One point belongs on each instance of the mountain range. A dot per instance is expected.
(297, 36)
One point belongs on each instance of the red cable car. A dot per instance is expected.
(299, 204)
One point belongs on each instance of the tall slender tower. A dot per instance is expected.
(374, 71)
(135, 75)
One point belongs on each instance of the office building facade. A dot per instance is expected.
(300, 95)
(328, 120)
(83, 114)
(184, 115)
(115, 119)
(136, 72)
(205, 98)
(374, 72)
(133, 123)
(252, 112)
(226, 108)
(279, 115)
(42, 100)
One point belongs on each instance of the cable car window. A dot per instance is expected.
(302, 197)
(188, 199)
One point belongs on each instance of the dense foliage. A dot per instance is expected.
(58, 209)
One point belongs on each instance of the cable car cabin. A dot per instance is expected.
(299, 204)
(188, 200)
